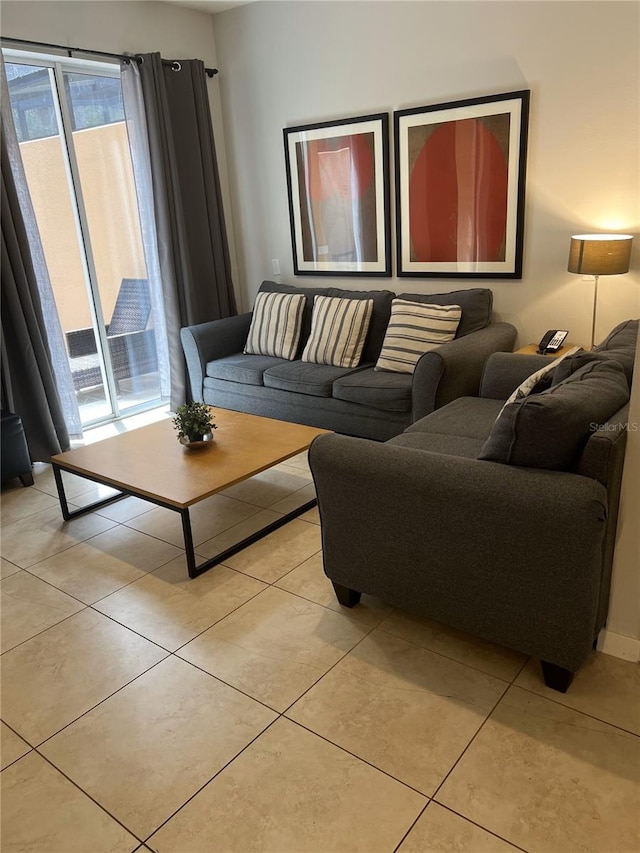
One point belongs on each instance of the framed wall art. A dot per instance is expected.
(338, 183)
(460, 181)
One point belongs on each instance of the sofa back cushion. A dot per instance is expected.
(549, 430)
(476, 304)
(309, 294)
(379, 317)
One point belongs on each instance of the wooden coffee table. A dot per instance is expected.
(150, 463)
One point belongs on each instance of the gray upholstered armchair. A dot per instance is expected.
(512, 551)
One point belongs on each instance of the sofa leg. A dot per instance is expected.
(27, 479)
(347, 597)
(556, 677)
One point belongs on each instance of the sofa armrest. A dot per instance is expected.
(512, 554)
(504, 371)
(208, 341)
(454, 369)
(493, 513)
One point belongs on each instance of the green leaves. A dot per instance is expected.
(193, 420)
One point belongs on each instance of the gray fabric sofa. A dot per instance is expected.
(519, 554)
(355, 401)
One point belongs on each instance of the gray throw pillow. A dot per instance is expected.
(549, 430)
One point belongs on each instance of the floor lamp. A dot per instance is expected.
(596, 255)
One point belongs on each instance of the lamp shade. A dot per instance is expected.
(600, 254)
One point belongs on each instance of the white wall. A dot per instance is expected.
(622, 635)
(288, 63)
(138, 26)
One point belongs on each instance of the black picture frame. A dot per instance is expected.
(339, 202)
(460, 171)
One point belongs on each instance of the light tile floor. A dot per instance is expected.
(247, 710)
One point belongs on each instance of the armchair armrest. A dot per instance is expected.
(504, 371)
(511, 554)
(209, 341)
(454, 369)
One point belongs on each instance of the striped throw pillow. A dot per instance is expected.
(338, 331)
(276, 325)
(415, 328)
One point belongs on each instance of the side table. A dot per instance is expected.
(532, 349)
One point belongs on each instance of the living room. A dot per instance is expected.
(283, 64)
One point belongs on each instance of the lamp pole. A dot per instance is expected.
(595, 308)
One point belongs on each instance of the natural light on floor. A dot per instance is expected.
(123, 425)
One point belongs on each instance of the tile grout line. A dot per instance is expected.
(209, 781)
(100, 702)
(86, 794)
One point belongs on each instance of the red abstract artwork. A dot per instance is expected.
(338, 185)
(458, 194)
(460, 187)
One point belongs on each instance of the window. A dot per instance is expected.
(69, 118)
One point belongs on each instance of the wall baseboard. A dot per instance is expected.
(627, 648)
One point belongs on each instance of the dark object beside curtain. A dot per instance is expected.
(194, 256)
(28, 385)
(15, 454)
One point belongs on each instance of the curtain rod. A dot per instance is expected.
(210, 72)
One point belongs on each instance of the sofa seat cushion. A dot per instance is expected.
(549, 430)
(303, 377)
(390, 392)
(449, 445)
(244, 368)
(467, 417)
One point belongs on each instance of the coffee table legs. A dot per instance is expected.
(193, 569)
(68, 514)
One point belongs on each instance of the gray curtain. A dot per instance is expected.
(30, 329)
(28, 384)
(191, 234)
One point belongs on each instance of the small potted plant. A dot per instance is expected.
(194, 422)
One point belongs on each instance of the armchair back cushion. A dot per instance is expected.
(620, 345)
(549, 430)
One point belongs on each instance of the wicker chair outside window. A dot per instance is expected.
(131, 345)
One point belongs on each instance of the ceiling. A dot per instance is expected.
(211, 6)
